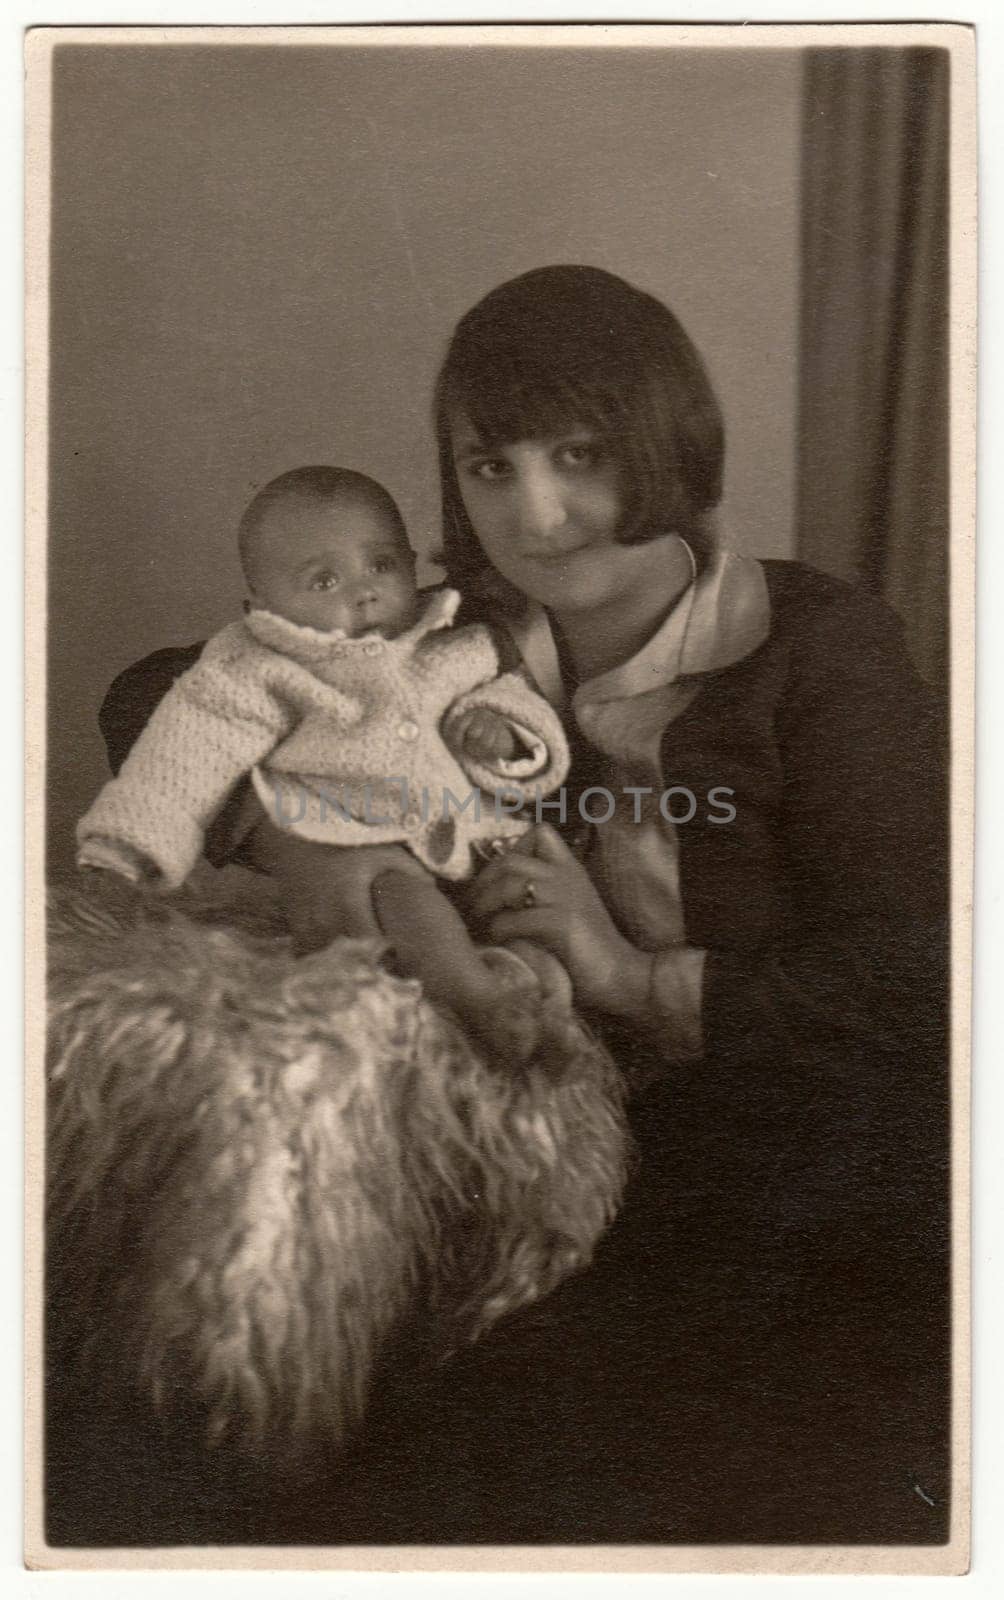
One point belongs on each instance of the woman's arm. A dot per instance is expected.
(859, 846)
(859, 960)
(541, 892)
(135, 695)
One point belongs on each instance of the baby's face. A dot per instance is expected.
(336, 564)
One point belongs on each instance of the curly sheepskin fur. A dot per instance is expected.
(263, 1169)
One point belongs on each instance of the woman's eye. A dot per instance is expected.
(580, 455)
(324, 581)
(490, 471)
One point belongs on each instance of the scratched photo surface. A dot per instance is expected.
(637, 1234)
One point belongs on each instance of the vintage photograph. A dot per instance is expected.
(500, 523)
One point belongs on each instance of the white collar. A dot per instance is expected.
(722, 617)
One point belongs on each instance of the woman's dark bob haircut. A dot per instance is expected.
(574, 345)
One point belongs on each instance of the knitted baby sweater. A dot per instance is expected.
(348, 740)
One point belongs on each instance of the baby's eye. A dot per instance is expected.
(324, 580)
(384, 564)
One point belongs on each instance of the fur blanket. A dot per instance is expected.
(262, 1170)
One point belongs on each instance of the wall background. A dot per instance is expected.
(258, 255)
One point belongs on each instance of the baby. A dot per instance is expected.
(363, 717)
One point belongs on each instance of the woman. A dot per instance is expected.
(759, 927)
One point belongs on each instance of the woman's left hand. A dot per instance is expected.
(539, 891)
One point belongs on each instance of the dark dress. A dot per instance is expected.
(761, 1350)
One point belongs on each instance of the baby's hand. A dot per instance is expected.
(113, 855)
(488, 737)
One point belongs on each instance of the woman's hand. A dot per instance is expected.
(539, 891)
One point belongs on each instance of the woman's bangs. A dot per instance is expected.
(519, 404)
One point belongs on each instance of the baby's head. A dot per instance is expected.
(326, 548)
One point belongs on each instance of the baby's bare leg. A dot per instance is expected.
(487, 989)
(378, 891)
(327, 889)
(552, 975)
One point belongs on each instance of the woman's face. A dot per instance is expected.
(546, 512)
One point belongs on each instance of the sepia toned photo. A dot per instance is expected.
(500, 543)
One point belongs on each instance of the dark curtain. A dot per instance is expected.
(873, 411)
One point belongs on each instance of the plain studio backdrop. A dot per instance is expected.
(259, 253)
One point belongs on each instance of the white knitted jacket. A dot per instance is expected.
(349, 741)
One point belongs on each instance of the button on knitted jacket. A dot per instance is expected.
(349, 741)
